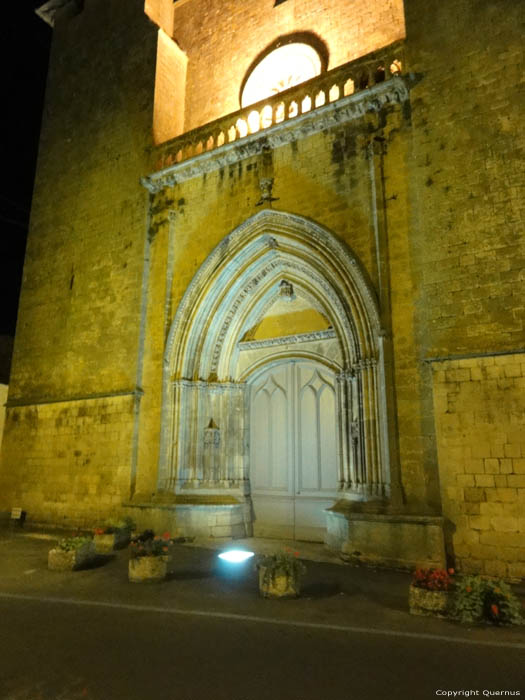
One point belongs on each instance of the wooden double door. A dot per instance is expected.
(293, 449)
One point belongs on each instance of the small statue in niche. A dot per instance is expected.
(212, 434)
(266, 187)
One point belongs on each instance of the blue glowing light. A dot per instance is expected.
(236, 556)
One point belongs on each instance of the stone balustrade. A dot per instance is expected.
(353, 77)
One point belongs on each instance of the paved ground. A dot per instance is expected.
(205, 633)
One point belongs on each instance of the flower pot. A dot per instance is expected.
(60, 560)
(424, 602)
(278, 585)
(148, 569)
(105, 544)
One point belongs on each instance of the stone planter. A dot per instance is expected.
(59, 560)
(105, 544)
(279, 585)
(424, 602)
(148, 569)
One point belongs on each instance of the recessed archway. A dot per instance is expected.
(271, 260)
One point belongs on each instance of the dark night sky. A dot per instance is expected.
(24, 42)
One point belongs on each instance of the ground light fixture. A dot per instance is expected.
(236, 556)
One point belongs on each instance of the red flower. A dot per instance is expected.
(494, 609)
(451, 572)
(468, 589)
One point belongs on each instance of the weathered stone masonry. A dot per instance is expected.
(417, 173)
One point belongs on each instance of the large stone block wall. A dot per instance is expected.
(71, 460)
(80, 299)
(480, 413)
(467, 155)
(79, 315)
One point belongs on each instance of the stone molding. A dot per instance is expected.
(14, 402)
(344, 110)
(286, 339)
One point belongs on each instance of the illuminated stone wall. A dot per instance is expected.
(223, 37)
(72, 459)
(77, 338)
(102, 281)
(480, 413)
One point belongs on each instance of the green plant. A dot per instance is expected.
(68, 544)
(111, 526)
(479, 599)
(150, 545)
(285, 563)
(433, 579)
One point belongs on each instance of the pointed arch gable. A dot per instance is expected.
(245, 264)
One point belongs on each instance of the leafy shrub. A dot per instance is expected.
(68, 544)
(148, 544)
(479, 599)
(111, 526)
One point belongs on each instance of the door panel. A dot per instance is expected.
(307, 442)
(293, 449)
(328, 439)
(269, 434)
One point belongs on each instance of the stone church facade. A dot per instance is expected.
(275, 277)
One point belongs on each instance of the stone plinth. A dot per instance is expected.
(385, 539)
(192, 518)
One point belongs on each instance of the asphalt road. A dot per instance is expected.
(70, 650)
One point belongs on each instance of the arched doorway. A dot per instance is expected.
(283, 302)
(294, 465)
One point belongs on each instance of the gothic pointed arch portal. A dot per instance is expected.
(279, 289)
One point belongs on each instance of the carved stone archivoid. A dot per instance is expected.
(195, 454)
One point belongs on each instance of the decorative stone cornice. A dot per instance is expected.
(346, 109)
(286, 339)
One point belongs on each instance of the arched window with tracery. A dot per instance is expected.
(280, 69)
